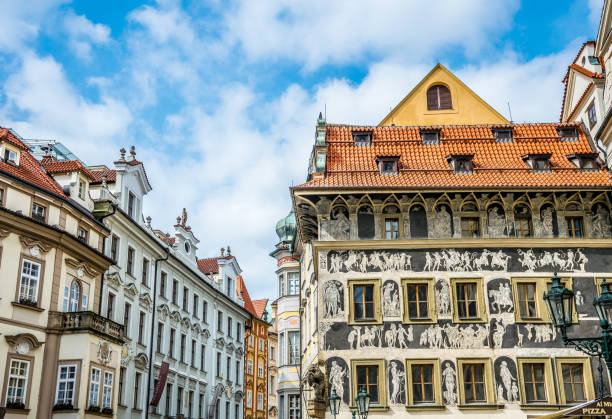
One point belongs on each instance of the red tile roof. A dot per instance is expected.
(54, 166)
(260, 306)
(111, 175)
(425, 166)
(208, 265)
(586, 72)
(7, 135)
(244, 294)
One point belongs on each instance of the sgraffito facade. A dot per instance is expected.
(431, 249)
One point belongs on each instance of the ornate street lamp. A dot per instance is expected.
(334, 403)
(363, 403)
(560, 303)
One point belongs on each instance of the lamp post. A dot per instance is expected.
(334, 403)
(363, 403)
(560, 303)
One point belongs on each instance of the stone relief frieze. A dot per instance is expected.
(441, 223)
(396, 377)
(569, 260)
(600, 222)
(333, 299)
(456, 336)
(391, 299)
(449, 383)
(443, 297)
(338, 376)
(506, 380)
(496, 221)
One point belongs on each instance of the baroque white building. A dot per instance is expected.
(288, 321)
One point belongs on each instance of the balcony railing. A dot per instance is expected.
(86, 321)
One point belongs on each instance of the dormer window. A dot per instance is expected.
(430, 137)
(10, 156)
(503, 135)
(81, 189)
(187, 247)
(586, 162)
(131, 201)
(461, 164)
(362, 139)
(539, 163)
(388, 165)
(568, 134)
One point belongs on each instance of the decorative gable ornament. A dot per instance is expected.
(105, 352)
(205, 335)
(145, 301)
(113, 279)
(185, 324)
(163, 311)
(130, 290)
(175, 317)
(141, 361)
(29, 243)
(239, 351)
(220, 343)
(230, 348)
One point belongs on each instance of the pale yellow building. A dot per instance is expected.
(60, 359)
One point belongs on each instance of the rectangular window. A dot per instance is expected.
(172, 336)
(219, 321)
(391, 228)
(127, 309)
(568, 134)
(522, 226)
(162, 284)
(474, 386)
(205, 311)
(121, 384)
(202, 357)
(249, 399)
(201, 406)
(39, 212)
(10, 156)
(190, 404)
(179, 400)
(218, 369)
(160, 336)
(418, 302)
(238, 330)
(261, 345)
(186, 299)
(250, 366)
(294, 283)
(107, 390)
(527, 300)
(503, 136)
(592, 115)
(81, 189)
(367, 379)
(430, 138)
(196, 305)
(227, 410)
(260, 369)
(131, 200)
(294, 348)
(228, 368)
(541, 164)
(423, 378)
(229, 287)
(272, 353)
(114, 248)
(110, 305)
(137, 380)
(362, 139)
(468, 300)
(237, 372)
(193, 353)
(175, 291)
(145, 271)
(575, 380)
(168, 398)
(294, 406)
(66, 382)
(363, 302)
(82, 234)
(29, 282)
(229, 326)
(130, 261)
(536, 383)
(183, 343)
(17, 384)
(470, 227)
(574, 227)
(259, 401)
(142, 328)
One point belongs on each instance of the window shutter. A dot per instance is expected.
(444, 97)
(432, 98)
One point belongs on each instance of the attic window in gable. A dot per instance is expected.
(539, 163)
(430, 137)
(461, 164)
(362, 139)
(569, 134)
(388, 165)
(438, 98)
(586, 162)
(503, 135)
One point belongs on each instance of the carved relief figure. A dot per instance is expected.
(579, 298)
(443, 300)
(496, 222)
(498, 334)
(569, 261)
(547, 222)
(600, 222)
(441, 223)
(340, 224)
(508, 380)
(333, 299)
(391, 299)
(501, 298)
(540, 333)
(452, 260)
(455, 336)
(528, 259)
(398, 380)
(449, 381)
(337, 375)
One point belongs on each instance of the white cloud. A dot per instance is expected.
(42, 103)
(318, 32)
(83, 33)
(595, 8)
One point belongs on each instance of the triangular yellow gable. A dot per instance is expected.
(467, 107)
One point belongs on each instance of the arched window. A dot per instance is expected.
(418, 221)
(438, 98)
(75, 294)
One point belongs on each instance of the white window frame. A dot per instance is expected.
(107, 389)
(249, 399)
(293, 348)
(27, 279)
(66, 381)
(293, 281)
(260, 369)
(250, 366)
(17, 383)
(94, 387)
(259, 401)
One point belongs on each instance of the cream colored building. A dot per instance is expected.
(58, 356)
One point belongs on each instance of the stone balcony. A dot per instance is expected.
(88, 322)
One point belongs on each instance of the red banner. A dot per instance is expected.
(161, 384)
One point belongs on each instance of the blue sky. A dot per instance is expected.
(220, 98)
